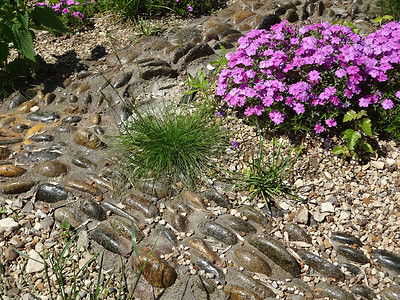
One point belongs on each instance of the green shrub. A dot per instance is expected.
(16, 21)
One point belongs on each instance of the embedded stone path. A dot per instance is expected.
(55, 167)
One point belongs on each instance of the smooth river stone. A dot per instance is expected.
(51, 168)
(387, 259)
(118, 211)
(181, 207)
(38, 156)
(11, 171)
(321, 265)
(218, 232)
(83, 162)
(25, 107)
(93, 210)
(352, 254)
(157, 271)
(201, 247)
(71, 119)
(107, 237)
(267, 21)
(82, 186)
(198, 51)
(205, 284)
(334, 292)
(204, 264)
(193, 198)
(177, 221)
(44, 117)
(239, 225)
(87, 139)
(124, 227)
(167, 234)
(64, 214)
(346, 238)
(39, 138)
(296, 233)
(142, 205)
(217, 198)
(17, 187)
(236, 292)
(354, 270)
(251, 261)
(158, 188)
(51, 193)
(363, 290)
(234, 275)
(101, 181)
(276, 251)
(391, 292)
(253, 215)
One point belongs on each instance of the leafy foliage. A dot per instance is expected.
(16, 21)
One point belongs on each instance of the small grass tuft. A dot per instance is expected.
(171, 144)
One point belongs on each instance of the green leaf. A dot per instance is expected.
(349, 116)
(3, 52)
(22, 19)
(362, 113)
(337, 150)
(352, 137)
(48, 18)
(366, 126)
(387, 17)
(23, 42)
(366, 146)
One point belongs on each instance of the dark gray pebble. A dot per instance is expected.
(45, 155)
(44, 117)
(240, 225)
(42, 138)
(276, 251)
(51, 193)
(168, 235)
(218, 232)
(321, 265)
(335, 292)
(352, 254)
(346, 238)
(209, 267)
(296, 233)
(363, 290)
(267, 21)
(93, 210)
(72, 119)
(216, 197)
(198, 51)
(387, 259)
(391, 293)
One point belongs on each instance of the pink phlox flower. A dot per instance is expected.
(340, 73)
(387, 104)
(327, 93)
(319, 128)
(276, 117)
(268, 101)
(189, 8)
(314, 76)
(65, 11)
(397, 94)
(330, 122)
(298, 108)
(289, 101)
(41, 4)
(76, 14)
(256, 110)
(235, 144)
(364, 102)
(300, 90)
(352, 70)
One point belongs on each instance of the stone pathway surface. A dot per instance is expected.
(55, 166)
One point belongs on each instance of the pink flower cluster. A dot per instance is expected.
(314, 72)
(66, 6)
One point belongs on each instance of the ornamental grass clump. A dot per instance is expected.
(170, 144)
(302, 78)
